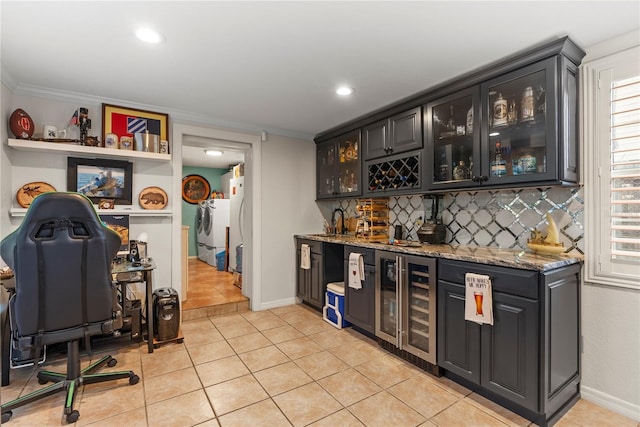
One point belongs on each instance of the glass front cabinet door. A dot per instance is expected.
(339, 166)
(520, 142)
(453, 140)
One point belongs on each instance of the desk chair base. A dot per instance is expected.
(69, 382)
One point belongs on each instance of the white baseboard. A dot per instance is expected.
(612, 403)
(275, 304)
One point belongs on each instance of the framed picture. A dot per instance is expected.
(123, 121)
(195, 188)
(100, 179)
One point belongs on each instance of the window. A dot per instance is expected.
(611, 136)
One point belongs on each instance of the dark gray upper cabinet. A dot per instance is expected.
(339, 167)
(397, 134)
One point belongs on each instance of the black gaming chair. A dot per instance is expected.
(61, 256)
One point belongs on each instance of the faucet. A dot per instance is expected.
(334, 222)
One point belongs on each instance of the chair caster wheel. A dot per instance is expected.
(111, 363)
(134, 379)
(6, 417)
(73, 416)
(42, 381)
(180, 341)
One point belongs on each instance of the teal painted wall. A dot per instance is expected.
(189, 210)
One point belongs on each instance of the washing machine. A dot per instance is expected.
(215, 224)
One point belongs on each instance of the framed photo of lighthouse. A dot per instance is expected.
(100, 178)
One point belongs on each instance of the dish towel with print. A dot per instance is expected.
(478, 304)
(356, 270)
(305, 257)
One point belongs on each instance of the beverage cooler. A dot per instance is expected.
(406, 303)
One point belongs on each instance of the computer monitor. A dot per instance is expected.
(119, 224)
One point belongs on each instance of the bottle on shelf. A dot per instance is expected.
(498, 164)
(527, 108)
(451, 124)
(512, 112)
(470, 121)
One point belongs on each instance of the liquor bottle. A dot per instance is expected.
(498, 165)
(527, 106)
(451, 124)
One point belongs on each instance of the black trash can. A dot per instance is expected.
(166, 313)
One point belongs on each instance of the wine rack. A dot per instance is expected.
(373, 219)
(402, 173)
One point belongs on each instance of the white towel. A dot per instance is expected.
(356, 270)
(478, 305)
(305, 257)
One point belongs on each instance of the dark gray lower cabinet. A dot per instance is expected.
(326, 267)
(529, 360)
(359, 304)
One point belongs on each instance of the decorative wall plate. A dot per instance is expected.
(195, 188)
(153, 198)
(28, 192)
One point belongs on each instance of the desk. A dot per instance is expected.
(9, 283)
(120, 273)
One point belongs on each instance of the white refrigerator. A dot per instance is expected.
(236, 197)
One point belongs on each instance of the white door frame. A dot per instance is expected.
(252, 241)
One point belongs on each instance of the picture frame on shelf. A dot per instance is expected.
(195, 188)
(101, 179)
(125, 122)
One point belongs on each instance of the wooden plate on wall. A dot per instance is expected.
(28, 192)
(153, 198)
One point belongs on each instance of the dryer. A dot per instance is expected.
(215, 224)
(201, 222)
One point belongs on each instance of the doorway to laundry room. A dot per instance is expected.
(213, 222)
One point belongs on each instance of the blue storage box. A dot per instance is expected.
(220, 260)
(333, 310)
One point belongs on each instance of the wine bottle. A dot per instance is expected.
(498, 165)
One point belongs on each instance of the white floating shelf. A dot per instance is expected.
(100, 152)
(20, 212)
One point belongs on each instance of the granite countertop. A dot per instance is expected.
(514, 258)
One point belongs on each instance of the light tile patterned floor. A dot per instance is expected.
(280, 367)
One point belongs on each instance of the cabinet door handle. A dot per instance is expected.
(475, 178)
(390, 149)
(484, 178)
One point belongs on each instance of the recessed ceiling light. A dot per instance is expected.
(148, 35)
(213, 152)
(494, 134)
(344, 91)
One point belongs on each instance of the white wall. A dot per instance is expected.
(288, 208)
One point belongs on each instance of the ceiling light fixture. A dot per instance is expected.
(344, 91)
(213, 152)
(148, 35)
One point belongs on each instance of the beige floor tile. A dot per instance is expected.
(221, 370)
(299, 347)
(263, 358)
(357, 352)
(349, 386)
(288, 309)
(210, 352)
(423, 395)
(95, 406)
(257, 315)
(588, 414)
(306, 404)
(134, 418)
(46, 412)
(227, 319)
(342, 418)
(160, 363)
(385, 371)
(237, 329)
(264, 413)
(248, 342)
(383, 409)
(211, 423)
(497, 411)
(282, 378)
(235, 394)
(266, 323)
(310, 328)
(300, 316)
(202, 337)
(452, 386)
(185, 410)
(462, 413)
(332, 338)
(320, 365)
(196, 325)
(171, 385)
(282, 334)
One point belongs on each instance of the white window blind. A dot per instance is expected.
(625, 169)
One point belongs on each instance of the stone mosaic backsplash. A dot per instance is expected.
(492, 218)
